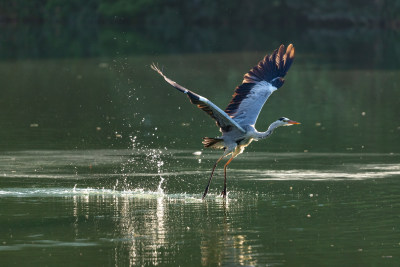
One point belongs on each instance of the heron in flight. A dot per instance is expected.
(237, 122)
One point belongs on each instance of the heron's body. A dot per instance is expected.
(237, 122)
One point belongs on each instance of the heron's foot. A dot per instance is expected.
(223, 193)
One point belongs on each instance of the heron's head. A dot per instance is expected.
(286, 122)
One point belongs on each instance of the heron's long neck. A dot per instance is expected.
(271, 128)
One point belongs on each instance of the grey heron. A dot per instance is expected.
(237, 121)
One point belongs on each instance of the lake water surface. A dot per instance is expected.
(101, 162)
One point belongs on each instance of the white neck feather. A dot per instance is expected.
(267, 133)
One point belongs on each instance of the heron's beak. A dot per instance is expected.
(292, 122)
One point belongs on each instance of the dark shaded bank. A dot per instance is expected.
(102, 28)
(145, 13)
(369, 48)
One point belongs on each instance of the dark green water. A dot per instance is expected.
(97, 163)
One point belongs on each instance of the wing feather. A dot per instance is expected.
(222, 119)
(258, 84)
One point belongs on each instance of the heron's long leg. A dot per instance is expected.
(225, 166)
(212, 173)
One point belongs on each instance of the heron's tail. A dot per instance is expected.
(217, 143)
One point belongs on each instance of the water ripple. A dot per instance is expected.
(46, 244)
(370, 172)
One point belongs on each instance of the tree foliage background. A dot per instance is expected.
(93, 28)
(383, 13)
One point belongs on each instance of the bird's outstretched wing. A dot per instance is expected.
(258, 84)
(223, 120)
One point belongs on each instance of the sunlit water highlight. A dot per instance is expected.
(93, 193)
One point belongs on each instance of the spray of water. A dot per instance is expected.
(141, 160)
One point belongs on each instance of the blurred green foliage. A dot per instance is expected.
(384, 13)
(106, 28)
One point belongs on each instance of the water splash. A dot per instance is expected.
(142, 159)
(159, 189)
(156, 159)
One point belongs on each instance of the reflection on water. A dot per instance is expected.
(273, 215)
